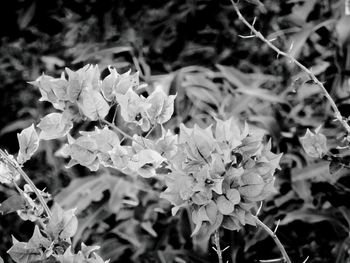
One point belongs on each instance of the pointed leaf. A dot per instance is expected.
(54, 126)
(93, 105)
(28, 143)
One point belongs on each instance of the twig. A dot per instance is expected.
(26, 178)
(275, 238)
(271, 260)
(217, 245)
(113, 126)
(337, 113)
(150, 131)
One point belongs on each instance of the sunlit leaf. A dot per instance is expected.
(54, 126)
(93, 105)
(314, 144)
(28, 143)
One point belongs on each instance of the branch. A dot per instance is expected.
(217, 245)
(337, 113)
(275, 238)
(113, 126)
(17, 168)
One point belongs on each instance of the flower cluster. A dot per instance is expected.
(220, 172)
(221, 175)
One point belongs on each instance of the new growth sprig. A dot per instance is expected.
(221, 172)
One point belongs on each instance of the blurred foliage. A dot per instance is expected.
(194, 48)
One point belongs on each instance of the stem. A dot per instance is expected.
(275, 238)
(121, 131)
(217, 245)
(337, 113)
(150, 131)
(26, 178)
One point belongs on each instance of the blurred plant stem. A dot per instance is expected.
(275, 238)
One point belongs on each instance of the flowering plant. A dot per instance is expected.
(220, 173)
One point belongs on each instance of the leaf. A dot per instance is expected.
(314, 144)
(335, 166)
(199, 143)
(167, 144)
(69, 257)
(6, 175)
(225, 206)
(53, 90)
(133, 109)
(122, 189)
(317, 172)
(162, 106)
(198, 217)
(20, 252)
(54, 126)
(147, 226)
(26, 16)
(93, 105)
(63, 224)
(229, 131)
(253, 184)
(307, 215)
(145, 162)
(179, 189)
(105, 138)
(248, 84)
(86, 78)
(84, 151)
(226, 203)
(28, 143)
(343, 30)
(120, 156)
(116, 83)
(81, 192)
(12, 204)
(87, 250)
(38, 240)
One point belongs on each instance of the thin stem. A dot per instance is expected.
(275, 238)
(26, 178)
(121, 131)
(150, 131)
(337, 113)
(217, 245)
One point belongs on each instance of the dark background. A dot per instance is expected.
(161, 38)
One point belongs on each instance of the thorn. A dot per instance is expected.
(277, 225)
(214, 249)
(291, 47)
(225, 248)
(271, 260)
(259, 209)
(306, 259)
(253, 24)
(272, 39)
(250, 36)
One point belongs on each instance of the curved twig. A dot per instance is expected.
(337, 113)
(275, 238)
